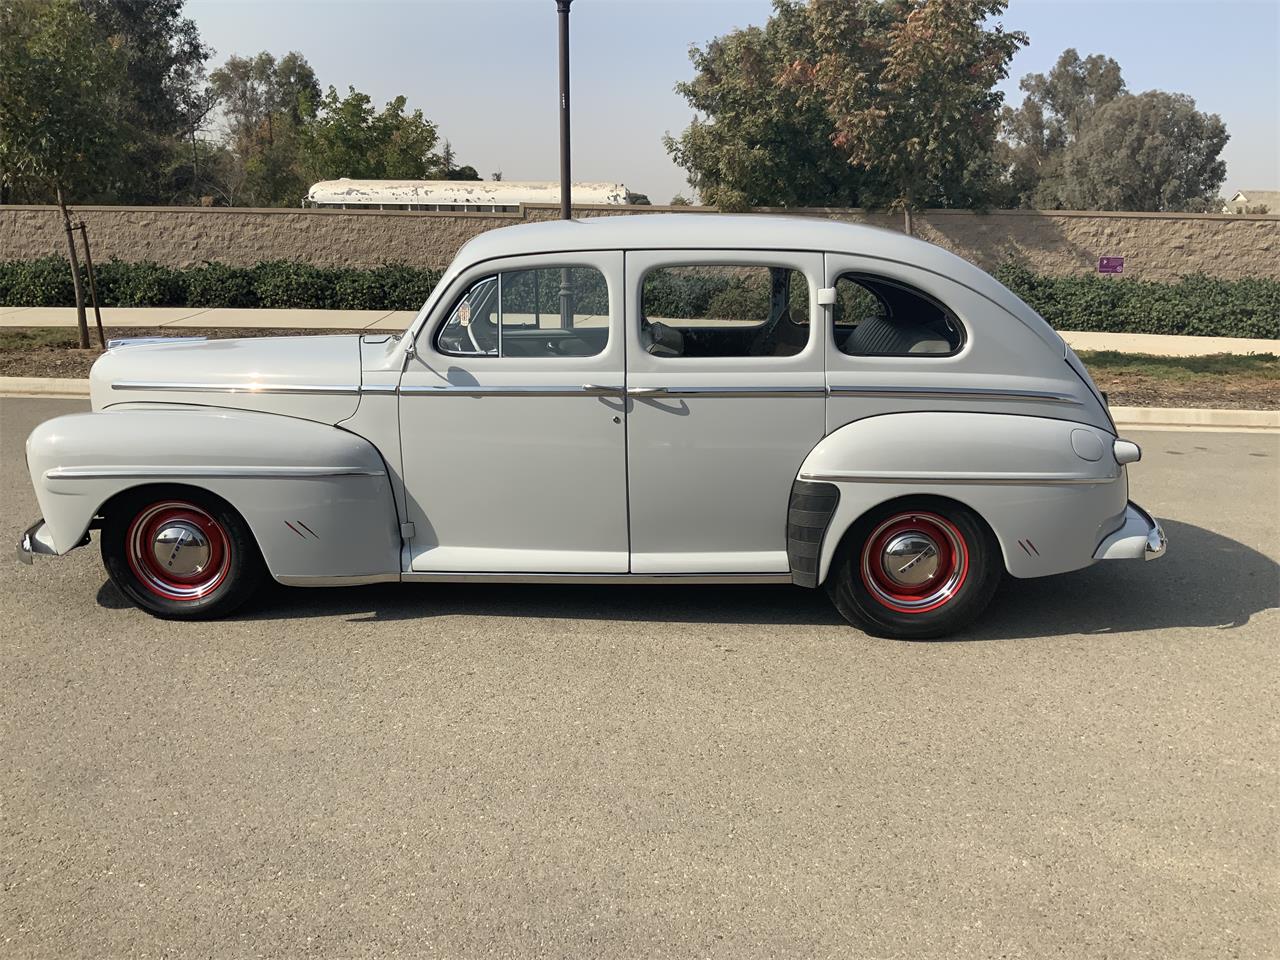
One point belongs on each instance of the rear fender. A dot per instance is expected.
(1048, 506)
(317, 498)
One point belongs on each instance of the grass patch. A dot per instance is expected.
(1259, 366)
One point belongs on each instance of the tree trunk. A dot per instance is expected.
(906, 219)
(82, 322)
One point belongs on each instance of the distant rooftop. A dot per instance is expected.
(1247, 199)
(456, 194)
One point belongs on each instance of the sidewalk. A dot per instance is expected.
(179, 317)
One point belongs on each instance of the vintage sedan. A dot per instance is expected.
(646, 399)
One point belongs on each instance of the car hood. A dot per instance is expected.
(315, 378)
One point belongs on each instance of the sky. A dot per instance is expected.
(485, 70)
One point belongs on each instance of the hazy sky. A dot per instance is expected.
(485, 70)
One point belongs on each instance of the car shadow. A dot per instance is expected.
(1205, 580)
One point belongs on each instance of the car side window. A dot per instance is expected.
(540, 312)
(724, 310)
(877, 317)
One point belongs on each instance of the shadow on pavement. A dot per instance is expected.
(1205, 580)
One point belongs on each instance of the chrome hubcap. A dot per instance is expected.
(910, 559)
(914, 562)
(181, 549)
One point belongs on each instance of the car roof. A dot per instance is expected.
(672, 231)
(767, 231)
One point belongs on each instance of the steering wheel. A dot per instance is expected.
(483, 349)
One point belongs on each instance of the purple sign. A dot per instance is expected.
(1111, 264)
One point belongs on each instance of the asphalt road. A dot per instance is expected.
(465, 771)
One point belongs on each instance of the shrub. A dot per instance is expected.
(281, 284)
(1195, 305)
(218, 285)
(139, 285)
(36, 283)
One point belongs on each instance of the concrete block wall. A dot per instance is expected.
(1155, 246)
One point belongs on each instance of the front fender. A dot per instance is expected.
(317, 498)
(1029, 478)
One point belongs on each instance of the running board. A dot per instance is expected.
(580, 578)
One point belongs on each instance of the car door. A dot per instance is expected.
(512, 422)
(726, 396)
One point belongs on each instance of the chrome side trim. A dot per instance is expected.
(451, 390)
(1026, 480)
(339, 581)
(219, 473)
(600, 578)
(953, 393)
(135, 341)
(379, 388)
(659, 392)
(300, 389)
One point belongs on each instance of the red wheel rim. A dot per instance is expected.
(915, 562)
(177, 551)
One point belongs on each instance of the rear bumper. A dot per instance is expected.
(36, 539)
(1139, 537)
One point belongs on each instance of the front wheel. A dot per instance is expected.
(180, 553)
(915, 569)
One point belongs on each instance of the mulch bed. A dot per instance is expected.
(1214, 391)
(1123, 389)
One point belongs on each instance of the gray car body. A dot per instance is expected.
(305, 434)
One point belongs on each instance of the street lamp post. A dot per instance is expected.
(566, 201)
(566, 204)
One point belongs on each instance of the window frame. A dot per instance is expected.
(906, 287)
(717, 258)
(486, 270)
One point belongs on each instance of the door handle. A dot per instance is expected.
(647, 391)
(596, 390)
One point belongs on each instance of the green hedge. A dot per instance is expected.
(47, 283)
(1195, 305)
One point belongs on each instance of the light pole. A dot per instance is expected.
(566, 201)
(566, 204)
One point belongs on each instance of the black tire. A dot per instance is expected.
(207, 527)
(868, 588)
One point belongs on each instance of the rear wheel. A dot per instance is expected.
(915, 569)
(180, 553)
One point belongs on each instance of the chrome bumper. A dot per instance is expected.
(1140, 536)
(35, 539)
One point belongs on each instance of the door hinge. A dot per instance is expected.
(407, 531)
(826, 296)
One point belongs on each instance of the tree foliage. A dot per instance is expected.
(265, 105)
(59, 128)
(349, 138)
(758, 141)
(1080, 140)
(908, 88)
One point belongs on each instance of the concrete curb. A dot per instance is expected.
(1196, 418)
(1131, 418)
(47, 387)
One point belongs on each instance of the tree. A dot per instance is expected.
(266, 103)
(1080, 140)
(348, 138)
(447, 167)
(1057, 108)
(909, 90)
(758, 141)
(1153, 151)
(59, 127)
(680, 200)
(162, 94)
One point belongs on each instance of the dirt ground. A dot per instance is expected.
(46, 353)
